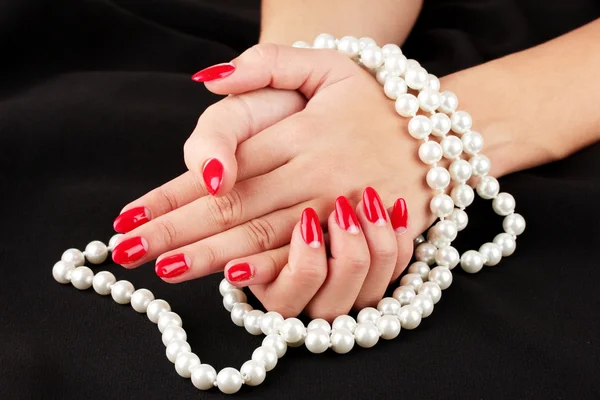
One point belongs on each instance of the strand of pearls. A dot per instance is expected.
(445, 133)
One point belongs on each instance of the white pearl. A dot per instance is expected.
(448, 102)
(371, 57)
(410, 63)
(277, 342)
(364, 42)
(185, 362)
(204, 377)
(447, 257)
(301, 45)
(441, 125)
(460, 170)
(431, 289)
(271, 321)
(429, 100)
(438, 178)
(140, 300)
(96, 252)
(460, 218)
(410, 317)
(430, 152)
(344, 322)
(239, 311)
(491, 252)
(381, 76)
(317, 341)
(436, 238)
(252, 322)
(416, 77)
(156, 308)
(441, 276)
(507, 243)
(424, 304)
(451, 146)
(266, 356)
(177, 347)
(425, 252)
(74, 257)
(461, 122)
(480, 165)
(395, 65)
(390, 49)
(472, 142)
(121, 292)
(418, 240)
(389, 327)
(102, 282)
(232, 297)
(82, 277)
(292, 330)
(471, 261)
(368, 314)
(173, 332)
(229, 380)
(441, 205)
(413, 280)
(407, 105)
(225, 287)
(419, 127)
(167, 319)
(388, 306)
(447, 230)
(433, 83)
(420, 268)
(348, 45)
(366, 334)
(253, 372)
(394, 87)
(62, 271)
(504, 204)
(319, 323)
(114, 239)
(488, 187)
(462, 195)
(513, 224)
(324, 41)
(404, 294)
(342, 340)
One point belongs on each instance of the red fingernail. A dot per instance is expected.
(345, 215)
(172, 266)
(373, 206)
(399, 216)
(213, 175)
(311, 228)
(131, 219)
(215, 72)
(240, 272)
(130, 250)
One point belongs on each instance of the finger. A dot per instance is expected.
(257, 269)
(400, 223)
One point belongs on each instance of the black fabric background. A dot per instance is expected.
(95, 104)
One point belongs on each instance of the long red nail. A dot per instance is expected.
(311, 228)
(399, 216)
(215, 72)
(213, 175)
(373, 206)
(172, 266)
(240, 272)
(130, 250)
(131, 219)
(345, 215)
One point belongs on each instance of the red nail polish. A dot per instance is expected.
(311, 228)
(373, 206)
(131, 219)
(130, 250)
(213, 175)
(345, 215)
(240, 272)
(215, 72)
(172, 266)
(399, 216)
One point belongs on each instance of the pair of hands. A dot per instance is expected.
(300, 128)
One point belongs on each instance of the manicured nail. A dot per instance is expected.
(215, 72)
(130, 250)
(311, 228)
(240, 272)
(373, 206)
(131, 219)
(399, 216)
(213, 175)
(345, 215)
(172, 266)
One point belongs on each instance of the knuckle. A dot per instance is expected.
(266, 52)
(168, 196)
(311, 274)
(261, 233)
(357, 264)
(386, 254)
(167, 232)
(226, 210)
(282, 306)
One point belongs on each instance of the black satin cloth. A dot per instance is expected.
(95, 104)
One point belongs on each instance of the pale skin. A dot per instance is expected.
(303, 127)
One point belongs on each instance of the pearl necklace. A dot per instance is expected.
(420, 288)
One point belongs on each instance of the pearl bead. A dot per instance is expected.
(365, 42)
(438, 178)
(271, 321)
(173, 332)
(389, 327)
(319, 323)
(185, 362)
(460, 218)
(239, 311)
(513, 224)
(395, 65)
(366, 334)
(324, 41)
(122, 291)
(167, 319)
(432, 290)
(419, 127)
(344, 322)
(452, 147)
(425, 252)
(448, 102)
(348, 45)
(460, 170)
(229, 380)
(441, 276)
(82, 277)
(204, 377)
(441, 125)
(394, 87)
(447, 230)
(441, 205)
(114, 240)
(436, 238)
(266, 356)
(103, 282)
(507, 243)
(488, 187)
(480, 165)
(62, 271)
(447, 257)
(433, 83)
(317, 341)
(381, 75)
(232, 297)
(462, 195)
(420, 268)
(253, 372)
(388, 306)
(156, 308)
(404, 294)
(342, 340)
(430, 152)
(292, 330)
(96, 252)
(418, 240)
(413, 280)
(140, 300)
(471, 261)
(177, 347)
(424, 304)
(472, 142)
(74, 257)
(412, 63)
(415, 77)
(429, 100)
(409, 316)
(276, 342)
(225, 287)
(504, 204)
(390, 49)
(371, 57)
(301, 45)
(461, 122)
(252, 322)
(407, 105)
(368, 314)
(491, 252)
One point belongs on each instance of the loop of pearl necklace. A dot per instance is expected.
(413, 90)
